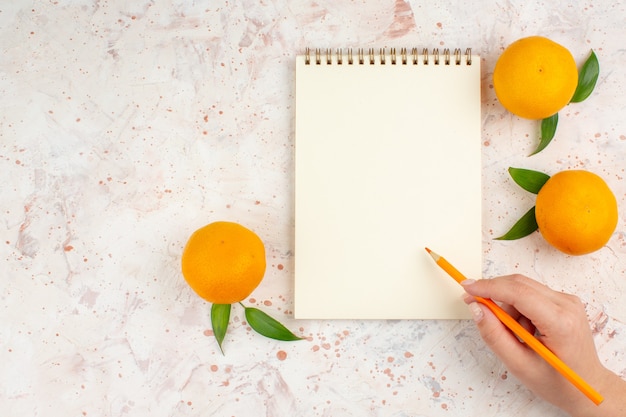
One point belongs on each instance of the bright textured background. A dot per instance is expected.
(124, 126)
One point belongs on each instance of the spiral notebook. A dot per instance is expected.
(387, 162)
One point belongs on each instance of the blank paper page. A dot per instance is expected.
(387, 162)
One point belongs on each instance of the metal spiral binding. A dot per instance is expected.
(448, 57)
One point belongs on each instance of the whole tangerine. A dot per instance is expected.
(223, 262)
(535, 77)
(576, 212)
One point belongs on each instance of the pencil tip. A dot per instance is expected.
(434, 255)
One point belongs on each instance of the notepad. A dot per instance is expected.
(387, 162)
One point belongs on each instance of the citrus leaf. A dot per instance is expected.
(267, 326)
(529, 180)
(220, 314)
(524, 226)
(548, 129)
(587, 78)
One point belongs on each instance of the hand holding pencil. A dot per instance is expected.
(561, 325)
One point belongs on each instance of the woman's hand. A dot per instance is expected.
(559, 321)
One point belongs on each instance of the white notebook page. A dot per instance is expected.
(387, 162)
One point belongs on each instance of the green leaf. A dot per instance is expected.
(267, 326)
(524, 226)
(548, 129)
(220, 314)
(587, 78)
(529, 180)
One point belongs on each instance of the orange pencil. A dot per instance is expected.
(523, 334)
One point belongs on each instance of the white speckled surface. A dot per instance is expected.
(124, 126)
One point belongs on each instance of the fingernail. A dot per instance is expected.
(468, 282)
(475, 311)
